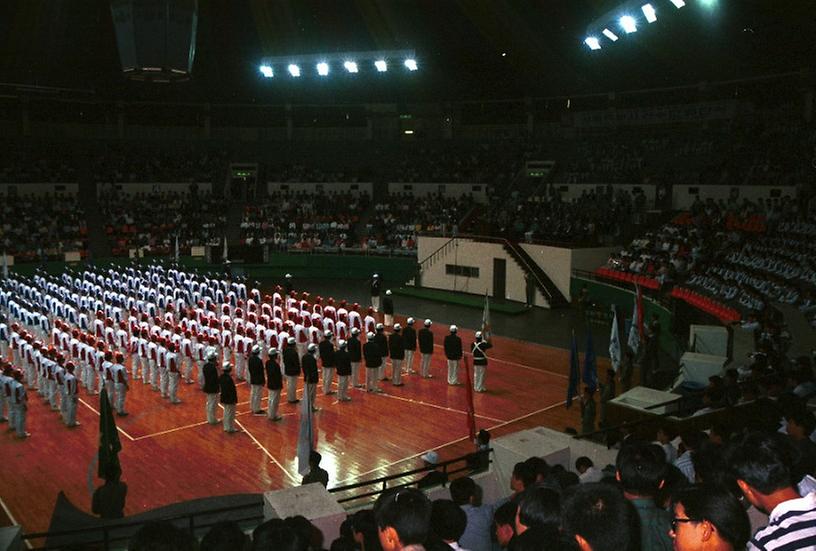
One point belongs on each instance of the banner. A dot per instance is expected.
(305, 443)
(109, 445)
(471, 410)
(614, 342)
(572, 388)
(486, 319)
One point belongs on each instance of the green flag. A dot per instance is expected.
(109, 445)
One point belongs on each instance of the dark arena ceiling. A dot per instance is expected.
(466, 49)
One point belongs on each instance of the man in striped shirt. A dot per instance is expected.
(762, 464)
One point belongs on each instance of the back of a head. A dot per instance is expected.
(764, 461)
(524, 473)
(600, 515)
(276, 535)
(161, 535)
(462, 489)
(448, 520)
(224, 536)
(719, 507)
(540, 467)
(407, 511)
(539, 508)
(307, 530)
(641, 467)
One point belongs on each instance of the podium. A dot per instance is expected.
(634, 405)
(312, 501)
(697, 368)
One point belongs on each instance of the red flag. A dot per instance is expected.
(471, 412)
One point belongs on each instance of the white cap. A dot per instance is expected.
(290, 340)
(376, 275)
(341, 343)
(370, 335)
(453, 329)
(478, 334)
(380, 326)
(273, 352)
(397, 327)
(211, 354)
(388, 291)
(428, 322)
(226, 366)
(288, 275)
(328, 334)
(355, 331)
(409, 321)
(431, 457)
(256, 349)
(312, 347)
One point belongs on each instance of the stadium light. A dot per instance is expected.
(610, 35)
(649, 13)
(350, 66)
(593, 43)
(294, 70)
(628, 24)
(323, 68)
(266, 71)
(411, 64)
(678, 3)
(381, 65)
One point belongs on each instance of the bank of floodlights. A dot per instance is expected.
(352, 63)
(624, 20)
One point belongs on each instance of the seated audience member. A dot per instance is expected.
(540, 468)
(504, 523)
(403, 519)
(433, 478)
(538, 517)
(763, 466)
(277, 535)
(364, 530)
(224, 536)
(448, 522)
(160, 535)
(689, 441)
(641, 470)
(468, 495)
(800, 424)
(708, 518)
(522, 478)
(587, 471)
(480, 459)
(599, 518)
(307, 530)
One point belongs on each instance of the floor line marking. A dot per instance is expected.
(120, 429)
(525, 416)
(531, 368)
(420, 402)
(267, 452)
(168, 431)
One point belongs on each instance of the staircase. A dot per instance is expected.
(98, 245)
(544, 284)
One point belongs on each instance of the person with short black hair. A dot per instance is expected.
(316, 473)
(539, 508)
(522, 478)
(276, 535)
(587, 471)
(690, 441)
(108, 500)
(541, 469)
(161, 535)
(763, 466)
(599, 518)
(448, 522)
(224, 536)
(468, 495)
(504, 523)
(641, 470)
(403, 519)
(708, 518)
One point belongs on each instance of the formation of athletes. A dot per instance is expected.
(60, 334)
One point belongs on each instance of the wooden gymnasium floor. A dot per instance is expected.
(169, 453)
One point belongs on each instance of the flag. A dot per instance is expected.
(471, 411)
(572, 389)
(590, 369)
(306, 436)
(5, 265)
(614, 342)
(109, 445)
(177, 249)
(486, 318)
(636, 330)
(226, 250)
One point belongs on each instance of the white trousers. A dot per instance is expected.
(291, 388)
(255, 395)
(479, 372)
(135, 365)
(164, 380)
(425, 365)
(210, 407)
(272, 406)
(328, 377)
(453, 372)
(396, 371)
(229, 418)
(70, 410)
(409, 361)
(121, 392)
(173, 378)
(355, 374)
(21, 411)
(375, 302)
(371, 378)
(343, 383)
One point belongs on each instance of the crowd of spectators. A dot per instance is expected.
(399, 218)
(120, 164)
(304, 221)
(34, 165)
(596, 217)
(150, 222)
(42, 227)
(481, 163)
(745, 253)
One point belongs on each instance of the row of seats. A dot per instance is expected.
(642, 280)
(724, 313)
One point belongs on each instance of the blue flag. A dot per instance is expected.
(590, 369)
(572, 389)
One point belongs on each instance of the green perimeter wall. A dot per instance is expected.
(305, 266)
(624, 300)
